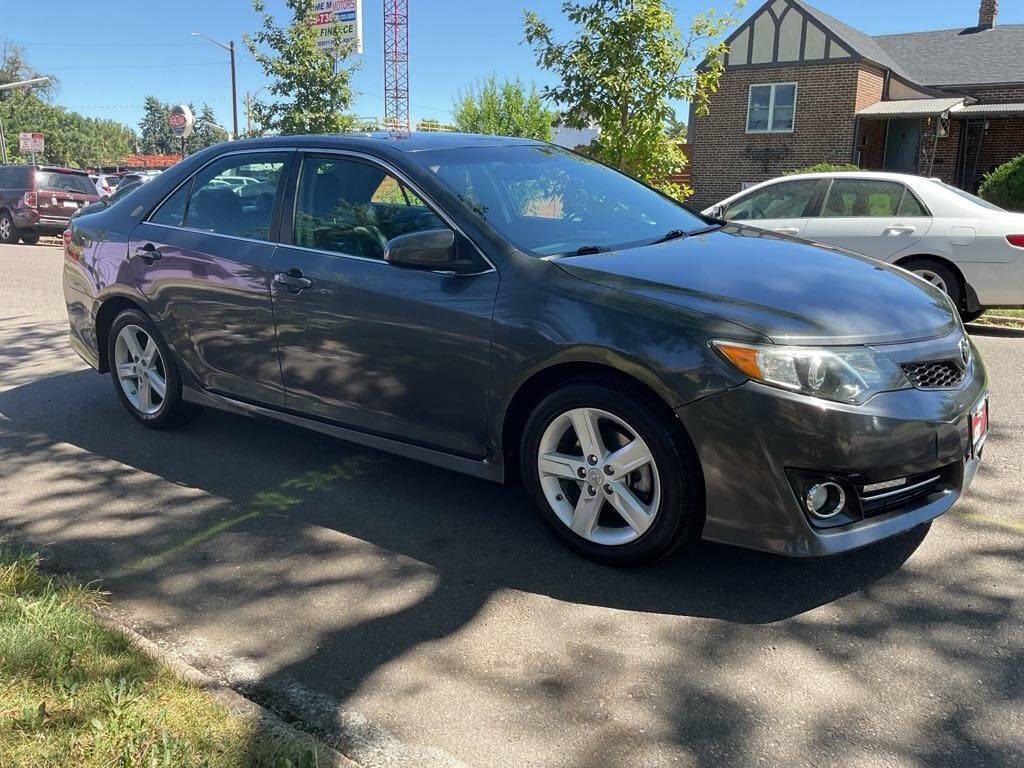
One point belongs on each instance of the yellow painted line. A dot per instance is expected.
(159, 558)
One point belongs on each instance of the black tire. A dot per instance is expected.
(173, 411)
(680, 514)
(949, 277)
(970, 317)
(30, 238)
(8, 232)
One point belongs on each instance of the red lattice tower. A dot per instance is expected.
(396, 65)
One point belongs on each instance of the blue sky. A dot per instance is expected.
(110, 54)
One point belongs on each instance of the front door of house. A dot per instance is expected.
(901, 142)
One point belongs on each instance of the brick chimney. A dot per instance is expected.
(987, 14)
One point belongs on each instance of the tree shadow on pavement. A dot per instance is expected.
(346, 580)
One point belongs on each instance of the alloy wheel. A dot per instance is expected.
(933, 278)
(5, 228)
(599, 476)
(140, 369)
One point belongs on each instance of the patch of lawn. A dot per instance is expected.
(1013, 318)
(76, 693)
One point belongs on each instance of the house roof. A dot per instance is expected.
(863, 45)
(950, 57)
(946, 57)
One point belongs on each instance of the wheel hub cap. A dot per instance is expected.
(140, 369)
(599, 476)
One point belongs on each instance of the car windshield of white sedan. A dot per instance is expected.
(548, 201)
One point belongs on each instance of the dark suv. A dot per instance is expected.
(39, 200)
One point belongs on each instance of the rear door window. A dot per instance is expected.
(866, 197)
(235, 195)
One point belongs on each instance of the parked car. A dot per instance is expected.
(37, 200)
(967, 247)
(105, 200)
(105, 183)
(502, 306)
(142, 176)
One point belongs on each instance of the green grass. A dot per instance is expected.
(76, 693)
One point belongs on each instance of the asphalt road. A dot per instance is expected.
(422, 618)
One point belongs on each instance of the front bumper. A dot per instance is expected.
(752, 438)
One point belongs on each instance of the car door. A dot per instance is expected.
(203, 261)
(780, 207)
(874, 217)
(385, 349)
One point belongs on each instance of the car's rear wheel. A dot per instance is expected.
(609, 477)
(145, 376)
(8, 232)
(939, 275)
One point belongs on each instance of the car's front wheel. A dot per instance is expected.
(609, 476)
(145, 376)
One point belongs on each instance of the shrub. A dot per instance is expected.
(824, 168)
(1005, 185)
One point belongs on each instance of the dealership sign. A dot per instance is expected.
(31, 142)
(181, 120)
(338, 19)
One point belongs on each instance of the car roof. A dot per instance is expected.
(415, 141)
(882, 175)
(61, 169)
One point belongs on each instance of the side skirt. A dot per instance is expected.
(490, 468)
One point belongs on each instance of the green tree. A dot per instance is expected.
(675, 128)
(208, 130)
(1004, 186)
(156, 135)
(505, 109)
(312, 86)
(626, 65)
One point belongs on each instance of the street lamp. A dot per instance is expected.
(230, 48)
(32, 83)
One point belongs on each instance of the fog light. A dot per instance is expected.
(825, 500)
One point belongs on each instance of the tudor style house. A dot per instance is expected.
(800, 87)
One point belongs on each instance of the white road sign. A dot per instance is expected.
(345, 16)
(31, 142)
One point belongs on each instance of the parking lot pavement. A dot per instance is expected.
(423, 618)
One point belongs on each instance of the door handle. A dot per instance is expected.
(148, 253)
(293, 279)
(900, 229)
(787, 230)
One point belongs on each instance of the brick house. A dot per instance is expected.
(800, 87)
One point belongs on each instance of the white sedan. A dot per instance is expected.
(971, 249)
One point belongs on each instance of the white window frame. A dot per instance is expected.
(771, 108)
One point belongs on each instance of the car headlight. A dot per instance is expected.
(846, 374)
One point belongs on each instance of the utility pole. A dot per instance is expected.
(230, 48)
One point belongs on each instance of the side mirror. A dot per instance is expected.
(717, 211)
(105, 199)
(429, 249)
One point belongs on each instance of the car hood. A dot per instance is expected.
(781, 287)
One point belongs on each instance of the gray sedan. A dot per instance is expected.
(505, 308)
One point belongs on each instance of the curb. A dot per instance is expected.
(226, 696)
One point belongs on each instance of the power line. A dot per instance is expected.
(175, 65)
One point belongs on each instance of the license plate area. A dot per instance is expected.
(978, 424)
(70, 204)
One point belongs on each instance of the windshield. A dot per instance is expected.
(973, 198)
(65, 182)
(547, 201)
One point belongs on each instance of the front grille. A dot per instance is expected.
(934, 374)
